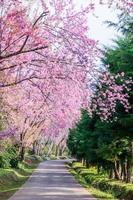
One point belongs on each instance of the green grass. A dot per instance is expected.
(12, 179)
(95, 192)
(114, 189)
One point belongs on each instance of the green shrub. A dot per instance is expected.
(30, 152)
(14, 162)
(4, 160)
(9, 158)
(118, 189)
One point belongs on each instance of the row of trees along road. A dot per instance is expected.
(109, 145)
(48, 70)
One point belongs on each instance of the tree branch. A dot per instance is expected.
(21, 52)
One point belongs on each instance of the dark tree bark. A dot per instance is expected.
(22, 148)
(111, 173)
(116, 170)
(87, 163)
(22, 153)
(124, 171)
(129, 171)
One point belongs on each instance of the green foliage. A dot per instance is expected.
(98, 143)
(120, 57)
(101, 182)
(4, 160)
(94, 191)
(109, 145)
(9, 157)
(78, 139)
(12, 179)
(124, 24)
(14, 162)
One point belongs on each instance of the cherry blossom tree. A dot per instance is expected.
(48, 69)
(111, 91)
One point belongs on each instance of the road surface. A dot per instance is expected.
(52, 181)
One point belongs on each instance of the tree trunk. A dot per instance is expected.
(50, 149)
(111, 173)
(22, 148)
(87, 163)
(60, 151)
(129, 169)
(57, 151)
(98, 168)
(129, 162)
(22, 153)
(116, 171)
(34, 148)
(124, 171)
(84, 162)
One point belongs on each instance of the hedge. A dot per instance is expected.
(119, 189)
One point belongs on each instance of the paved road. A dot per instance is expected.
(51, 181)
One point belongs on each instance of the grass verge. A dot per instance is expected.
(112, 188)
(12, 179)
(97, 193)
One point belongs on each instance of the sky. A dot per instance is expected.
(98, 30)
